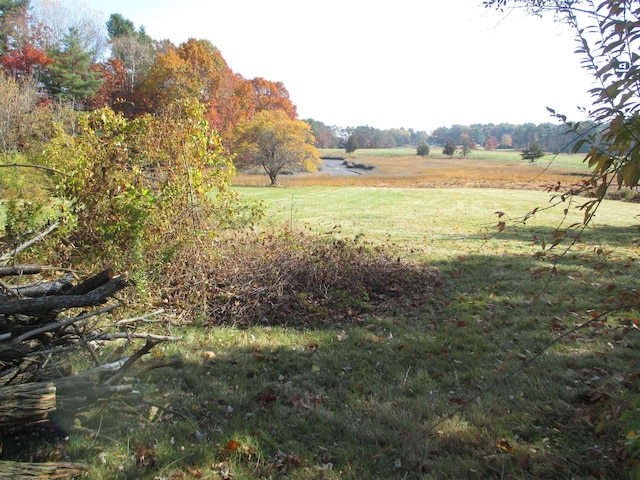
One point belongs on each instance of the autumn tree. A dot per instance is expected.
(467, 144)
(195, 69)
(133, 48)
(270, 95)
(506, 141)
(491, 143)
(273, 141)
(113, 89)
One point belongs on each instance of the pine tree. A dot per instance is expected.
(70, 77)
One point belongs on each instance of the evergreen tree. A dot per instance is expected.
(352, 144)
(70, 77)
(423, 149)
(532, 152)
(449, 148)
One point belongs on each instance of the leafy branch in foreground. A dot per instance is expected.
(608, 40)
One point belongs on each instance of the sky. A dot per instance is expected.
(417, 64)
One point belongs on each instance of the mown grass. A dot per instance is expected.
(373, 390)
(561, 160)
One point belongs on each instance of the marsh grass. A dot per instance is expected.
(373, 392)
(402, 168)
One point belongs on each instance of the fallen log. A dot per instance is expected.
(26, 404)
(48, 470)
(42, 289)
(14, 270)
(97, 296)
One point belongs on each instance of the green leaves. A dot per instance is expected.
(138, 187)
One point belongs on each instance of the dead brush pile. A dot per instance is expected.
(292, 279)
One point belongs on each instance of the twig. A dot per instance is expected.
(31, 165)
(54, 326)
(114, 336)
(139, 354)
(138, 319)
(7, 256)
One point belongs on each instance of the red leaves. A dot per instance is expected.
(457, 401)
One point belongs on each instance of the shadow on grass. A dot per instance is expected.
(372, 394)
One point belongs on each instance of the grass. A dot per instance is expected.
(403, 168)
(373, 390)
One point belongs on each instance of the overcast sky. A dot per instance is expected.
(415, 64)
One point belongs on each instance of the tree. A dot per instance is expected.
(423, 149)
(449, 148)
(58, 17)
(467, 144)
(352, 143)
(491, 143)
(70, 76)
(118, 26)
(272, 96)
(532, 152)
(12, 18)
(25, 62)
(195, 69)
(18, 99)
(506, 141)
(272, 140)
(133, 48)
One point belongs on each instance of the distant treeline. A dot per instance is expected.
(367, 137)
(550, 137)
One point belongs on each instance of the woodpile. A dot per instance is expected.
(45, 313)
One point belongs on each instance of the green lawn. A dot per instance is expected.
(376, 393)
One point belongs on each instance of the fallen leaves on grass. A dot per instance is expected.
(505, 446)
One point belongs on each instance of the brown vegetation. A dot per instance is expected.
(412, 171)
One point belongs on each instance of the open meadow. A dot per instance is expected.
(423, 343)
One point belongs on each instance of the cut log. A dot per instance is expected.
(49, 470)
(60, 302)
(26, 404)
(92, 283)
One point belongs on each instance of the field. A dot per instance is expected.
(403, 168)
(472, 368)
